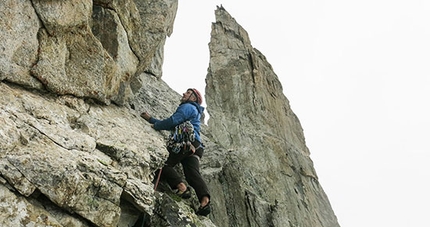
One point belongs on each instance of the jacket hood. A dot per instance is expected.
(200, 109)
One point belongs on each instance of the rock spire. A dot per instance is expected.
(267, 176)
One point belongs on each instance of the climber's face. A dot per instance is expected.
(188, 96)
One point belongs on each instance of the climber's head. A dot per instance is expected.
(192, 95)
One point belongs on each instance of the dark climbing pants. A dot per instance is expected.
(191, 168)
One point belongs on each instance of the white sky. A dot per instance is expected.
(357, 74)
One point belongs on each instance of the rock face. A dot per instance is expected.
(84, 48)
(266, 176)
(71, 157)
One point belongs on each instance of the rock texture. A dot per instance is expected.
(81, 158)
(75, 76)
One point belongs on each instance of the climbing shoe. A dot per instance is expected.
(204, 211)
(185, 194)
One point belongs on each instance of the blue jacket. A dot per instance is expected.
(188, 111)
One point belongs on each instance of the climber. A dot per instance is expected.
(189, 109)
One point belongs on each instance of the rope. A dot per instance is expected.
(158, 179)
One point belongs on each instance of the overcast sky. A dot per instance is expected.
(357, 74)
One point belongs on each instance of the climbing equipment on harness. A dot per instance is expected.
(181, 138)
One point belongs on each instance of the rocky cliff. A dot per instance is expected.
(74, 152)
